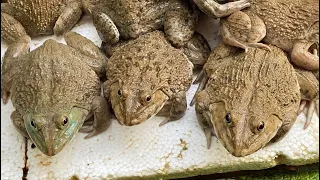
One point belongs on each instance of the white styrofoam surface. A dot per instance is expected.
(177, 149)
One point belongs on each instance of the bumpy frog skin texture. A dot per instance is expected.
(197, 49)
(37, 17)
(147, 76)
(292, 25)
(249, 99)
(131, 18)
(54, 90)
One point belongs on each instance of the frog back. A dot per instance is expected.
(54, 78)
(256, 84)
(37, 16)
(288, 20)
(150, 61)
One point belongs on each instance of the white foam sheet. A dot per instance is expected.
(177, 149)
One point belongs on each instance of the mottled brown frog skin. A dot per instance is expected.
(248, 99)
(145, 77)
(119, 21)
(129, 19)
(38, 17)
(292, 25)
(54, 89)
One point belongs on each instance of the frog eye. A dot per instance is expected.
(148, 98)
(228, 118)
(65, 121)
(119, 92)
(261, 126)
(33, 124)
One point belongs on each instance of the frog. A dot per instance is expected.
(129, 19)
(55, 90)
(250, 99)
(35, 18)
(119, 21)
(292, 25)
(147, 76)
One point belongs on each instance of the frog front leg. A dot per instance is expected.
(92, 55)
(11, 29)
(301, 56)
(309, 88)
(180, 23)
(101, 117)
(243, 30)
(216, 10)
(174, 108)
(12, 64)
(18, 123)
(70, 15)
(202, 109)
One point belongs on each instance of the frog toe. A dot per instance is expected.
(310, 111)
(86, 129)
(5, 96)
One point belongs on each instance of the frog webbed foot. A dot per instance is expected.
(197, 50)
(12, 64)
(107, 30)
(70, 15)
(216, 10)
(92, 55)
(101, 118)
(175, 108)
(302, 57)
(309, 108)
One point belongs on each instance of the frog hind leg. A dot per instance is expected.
(69, 16)
(243, 30)
(11, 29)
(197, 50)
(301, 56)
(215, 10)
(107, 30)
(92, 55)
(18, 123)
(102, 117)
(175, 108)
(203, 118)
(180, 23)
(11, 64)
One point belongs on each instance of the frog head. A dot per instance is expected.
(241, 132)
(51, 131)
(135, 104)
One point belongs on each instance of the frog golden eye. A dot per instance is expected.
(33, 124)
(228, 118)
(261, 126)
(148, 98)
(65, 121)
(119, 92)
